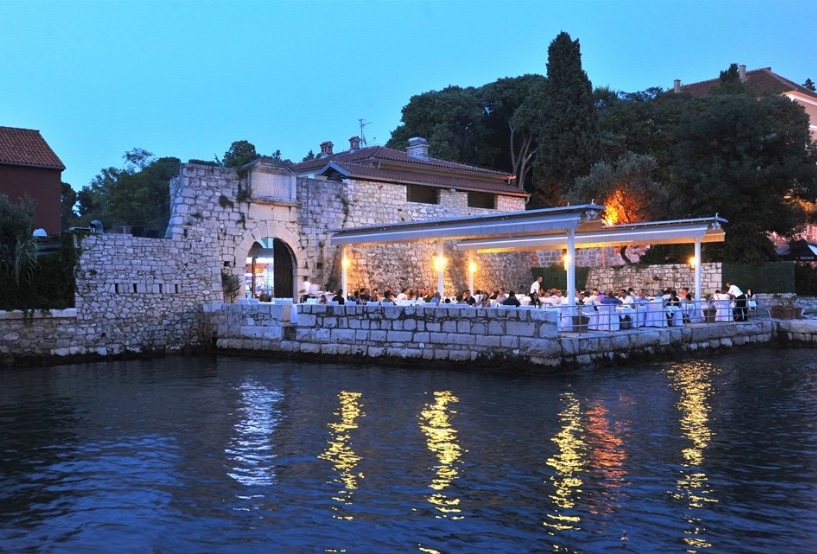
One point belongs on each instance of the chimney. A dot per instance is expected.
(742, 73)
(354, 144)
(677, 87)
(326, 149)
(418, 148)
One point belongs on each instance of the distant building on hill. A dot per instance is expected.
(763, 82)
(30, 168)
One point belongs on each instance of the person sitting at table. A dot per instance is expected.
(387, 298)
(626, 298)
(339, 298)
(610, 298)
(501, 296)
(322, 299)
(435, 299)
(641, 297)
(511, 300)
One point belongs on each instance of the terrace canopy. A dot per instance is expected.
(563, 228)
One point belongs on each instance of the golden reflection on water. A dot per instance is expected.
(694, 385)
(569, 463)
(606, 455)
(339, 450)
(441, 438)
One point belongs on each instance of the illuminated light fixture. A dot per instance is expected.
(472, 266)
(693, 261)
(439, 263)
(566, 260)
(346, 263)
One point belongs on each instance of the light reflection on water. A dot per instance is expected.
(243, 455)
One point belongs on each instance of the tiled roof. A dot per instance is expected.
(26, 147)
(377, 163)
(760, 82)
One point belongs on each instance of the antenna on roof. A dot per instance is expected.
(363, 123)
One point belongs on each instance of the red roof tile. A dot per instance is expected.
(760, 82)
(26, 147)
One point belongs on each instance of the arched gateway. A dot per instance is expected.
(270, 270)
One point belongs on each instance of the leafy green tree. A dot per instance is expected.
(569, 138)
(136, 195)
(449, 119)
(745, 159)
(68, 199)
(241, 152)
(809, 84)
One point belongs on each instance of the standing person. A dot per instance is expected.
(739, 312)
(305, 287)
(535, 286)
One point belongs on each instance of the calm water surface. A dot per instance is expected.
(248, 455)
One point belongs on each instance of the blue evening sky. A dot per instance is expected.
(186, 78)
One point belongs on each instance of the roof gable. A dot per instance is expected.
(760, 82)
(26, 147)
(377, 163)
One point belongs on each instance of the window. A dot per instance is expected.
(421, 194)
(481, 200)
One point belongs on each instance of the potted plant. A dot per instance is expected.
(786, 309)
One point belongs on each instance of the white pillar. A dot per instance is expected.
(440, 267)
(344, 270)
(471, 265)
(570, 267)
(698, 262)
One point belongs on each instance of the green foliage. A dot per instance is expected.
(68, 199)
(230, 284)
(772, 277)
(136, 195)
(805, 279)
(18, 248)
(569, 139)
(557, 277)
(49, 283)
(809, 84)
(241, 152)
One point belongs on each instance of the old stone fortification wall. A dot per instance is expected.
(233, 211)
(655, 278)
(460, 335)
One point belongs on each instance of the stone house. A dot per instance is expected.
(30, 168)
(270, 222)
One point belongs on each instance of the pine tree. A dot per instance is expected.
(569, 139)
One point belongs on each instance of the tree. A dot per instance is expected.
(569, 138)
(746, 159)
(68, 198)
(137, 195)
(241, 152)
(809, 84)
(449, 119)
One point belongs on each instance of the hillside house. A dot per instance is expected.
(30, 168)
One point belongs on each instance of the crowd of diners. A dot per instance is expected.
(626, 298)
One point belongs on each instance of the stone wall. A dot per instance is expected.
(655, 278)
(460, 335)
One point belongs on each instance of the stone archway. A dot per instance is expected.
(278, 267)
(270, 269)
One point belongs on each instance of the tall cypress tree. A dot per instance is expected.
(569, 139)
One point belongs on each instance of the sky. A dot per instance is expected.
(187, 78)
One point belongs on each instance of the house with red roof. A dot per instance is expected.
(30, 168)
(763, 82)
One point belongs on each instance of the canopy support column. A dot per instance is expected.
(344, 270)
(698, 263)
(440, 267)
(570, 266)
